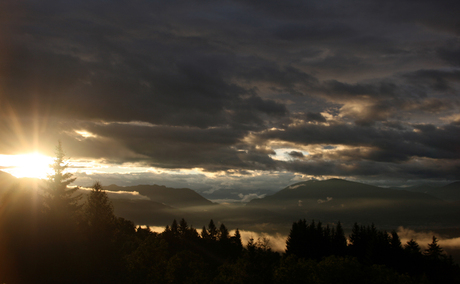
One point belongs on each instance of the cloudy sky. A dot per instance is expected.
(218, 95)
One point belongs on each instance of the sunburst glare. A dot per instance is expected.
(32, 165)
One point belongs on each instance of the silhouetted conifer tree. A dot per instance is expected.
(183, 227)
(59, 200)
(395, 242)
(99, 227)
(314, 241)
(204, 234)
(236, 240)
(191, 234)
(223, 234)
(144, 233)
(327, 240)
(296, 242)
(174, 228)
(369, 245)
(125, 236)
(98, 214)
(434, 250)
(212, 230)
(412, 247)
(339, 241)
(60, 239)
(413, 258)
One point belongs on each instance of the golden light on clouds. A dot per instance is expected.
(32, 165)
(85, 134)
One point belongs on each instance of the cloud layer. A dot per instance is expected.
(355, 89)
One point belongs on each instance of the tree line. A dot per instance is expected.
(56, 238)
(369, 252)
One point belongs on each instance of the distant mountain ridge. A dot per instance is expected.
(165, 204)
(175, 197)
(335, 199)
(339, 188)
(450, 192)
(328, 201)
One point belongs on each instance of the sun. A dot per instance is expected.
(32, 165)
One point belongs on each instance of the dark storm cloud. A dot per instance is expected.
(192, 93)
(386, 145)
(312, 32)
(416, 93)
(437, 80)
(170, 147)
(335, 88)
(213, 85)
(369, 170)
(450, 55)
(281, 79)
(394, 124)
(107, 73)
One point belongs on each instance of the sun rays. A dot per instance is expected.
(33, 165)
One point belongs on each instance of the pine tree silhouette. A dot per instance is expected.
(412, 247)
(434, 250)
(59, 200)
(212, 230)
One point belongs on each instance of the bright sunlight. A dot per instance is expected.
(33, 165)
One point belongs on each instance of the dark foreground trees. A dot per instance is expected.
(311, 248)
(315, 242)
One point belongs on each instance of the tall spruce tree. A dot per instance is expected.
(395, 242)
(99, 228)
(204, 233)
(223, 234)
(183, 227)
(212, 230)
(296, 242)
(175, 228)
(59, 237)
(434, 250)
(412, 247)
(339, 241)
(236, 240)
(59, 200)
(98, 214)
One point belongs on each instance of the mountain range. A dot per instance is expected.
(450, 192)
(350, 202)
(328, 201)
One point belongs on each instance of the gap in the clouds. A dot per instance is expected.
(95, 167)
(85, 134)
(288, 154)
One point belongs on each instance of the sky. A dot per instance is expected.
(234, 97)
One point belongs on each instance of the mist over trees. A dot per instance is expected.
(58, 237)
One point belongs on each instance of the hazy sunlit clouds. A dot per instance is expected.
(291, 90)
